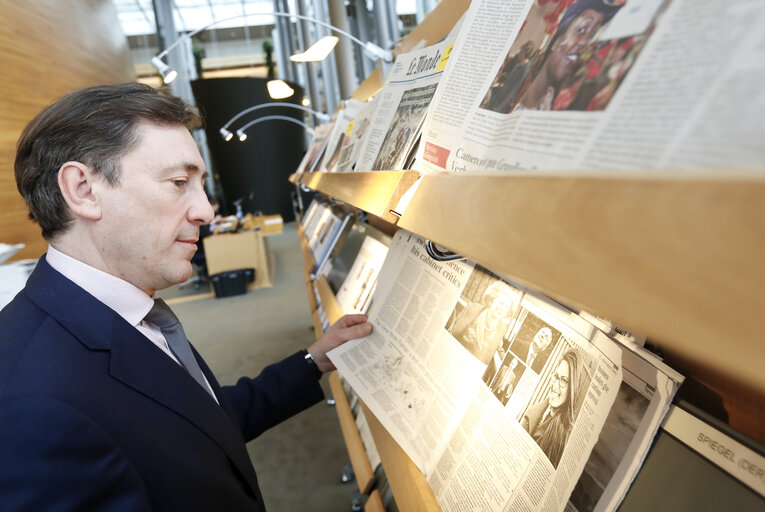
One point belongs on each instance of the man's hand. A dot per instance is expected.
(347, 328)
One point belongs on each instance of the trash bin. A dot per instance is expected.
(232, 282)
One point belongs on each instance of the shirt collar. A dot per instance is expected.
(127, 300)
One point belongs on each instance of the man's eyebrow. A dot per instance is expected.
(194, 168)
(189, 167)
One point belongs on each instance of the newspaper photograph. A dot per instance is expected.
(506, 454)
(355, 294)
(489, 390)
(355, 133)
(401, 107)
(600, 84)
(642, 402)
(316, 149)
(341, 130)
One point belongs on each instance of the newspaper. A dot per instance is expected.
(322, 232)
(643, 400)
(316, 149)
(355, 294)
(497, 396)
(401, 107)
(357, 120)
(340, 136)
(601, 85)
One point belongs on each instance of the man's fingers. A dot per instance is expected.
(351, 320)
(356, 331)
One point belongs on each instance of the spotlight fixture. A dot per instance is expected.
(227, 135)
(243, 136)
(168, 75)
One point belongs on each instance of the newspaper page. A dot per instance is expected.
(525, 439)
(356, 130)
(309, 213)
(315, 149)
(401, 107)
(355, 294)
(341, 130)
(468, 375)
(642, 402)
(326, 236)
(597, 84)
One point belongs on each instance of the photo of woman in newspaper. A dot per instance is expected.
(480, 324)
(572, 59)
(550, 421)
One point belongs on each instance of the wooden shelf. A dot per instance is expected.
(361, 467)
(317, 328)
(328, 300)
(410, 488)
(309, 263)
(679, 259)
(375, 192)
(374, 502)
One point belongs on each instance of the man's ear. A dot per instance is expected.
(76, 181)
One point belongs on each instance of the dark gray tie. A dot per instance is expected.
(163, 317)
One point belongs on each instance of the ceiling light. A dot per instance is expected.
(318, 50)
(278, 89)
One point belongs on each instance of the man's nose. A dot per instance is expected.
(201, 210)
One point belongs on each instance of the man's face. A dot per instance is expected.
(542, 339)
(572, 43)
(150, 221)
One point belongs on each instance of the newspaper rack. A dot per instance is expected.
(375, 192)
(676, 257)
(686, 296)
(363, 471)
(614, 230)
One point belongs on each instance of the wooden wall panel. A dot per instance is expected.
(48, 48)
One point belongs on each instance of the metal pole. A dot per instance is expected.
(304, 36)
(181, 61)
(328, 65)
(362, 25)
(346, 74)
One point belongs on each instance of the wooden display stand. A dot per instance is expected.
(677, 258)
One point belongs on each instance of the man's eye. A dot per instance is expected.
(179, 183)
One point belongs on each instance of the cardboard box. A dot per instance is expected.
(266, 224)
(233, 251)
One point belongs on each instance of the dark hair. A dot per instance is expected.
(554, 435)
(95, 126)
(608, 8)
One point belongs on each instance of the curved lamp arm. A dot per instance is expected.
(243, 136)
(321, 116)
(168, 74)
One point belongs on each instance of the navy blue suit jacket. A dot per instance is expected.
(93, 416)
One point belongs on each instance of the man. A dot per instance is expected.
(103, 403)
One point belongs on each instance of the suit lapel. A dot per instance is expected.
(138, 363)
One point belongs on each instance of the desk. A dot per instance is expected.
(246, 249)
(267, 224)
